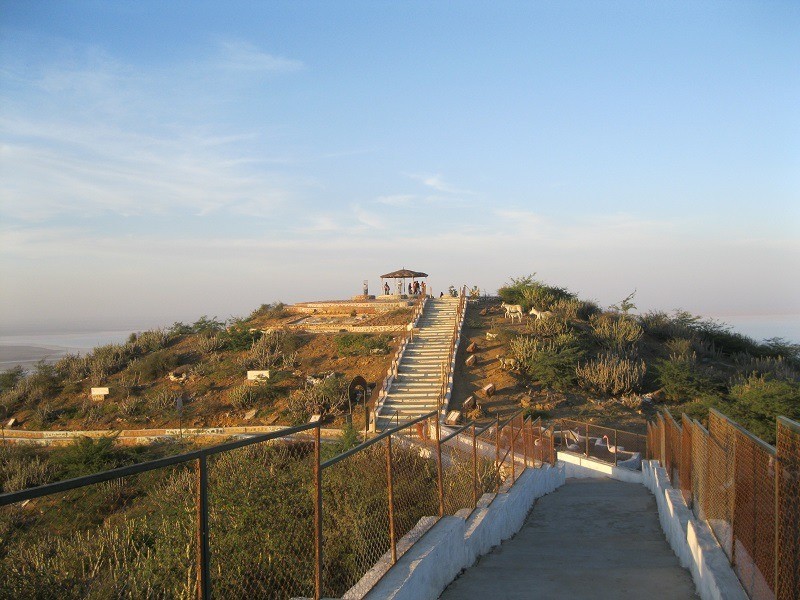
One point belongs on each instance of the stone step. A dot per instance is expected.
(412, 395)
(414, 389)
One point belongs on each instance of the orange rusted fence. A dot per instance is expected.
(745, 489)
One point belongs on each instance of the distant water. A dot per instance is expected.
(764, 327)
(27, 349)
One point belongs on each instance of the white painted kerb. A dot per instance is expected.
(455, 543)
(691, 540)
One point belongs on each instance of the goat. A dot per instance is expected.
(513, 310)
(540, 314)
(508, 363)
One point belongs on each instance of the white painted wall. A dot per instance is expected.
(691, 540)
(580, 466)
(455, 543)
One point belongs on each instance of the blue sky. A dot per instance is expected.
(159, 161)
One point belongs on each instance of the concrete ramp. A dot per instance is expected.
(592, 538)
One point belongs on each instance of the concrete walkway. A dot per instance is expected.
(592, 538)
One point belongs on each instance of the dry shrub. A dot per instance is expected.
(161, 401)
(547, 327)
(73, 367)
(206, 344)
(617, 333)
(777, 367)
(573, 309)
(612, 374)
(19, 471)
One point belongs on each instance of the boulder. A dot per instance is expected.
(489, 390)
(473, 347)
(471, 360)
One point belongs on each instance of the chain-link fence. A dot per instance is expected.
(260, 521)
(787, 488)
(124, 537)
(745, 489)
(271, 516)
(613, 446)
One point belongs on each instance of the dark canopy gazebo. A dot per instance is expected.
(402, 275)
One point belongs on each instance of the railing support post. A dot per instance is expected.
(587, 440)
(616, 449)
(474, 468)
(541, 445)
(317, 517)
(525, 442)
(439, 482)
(203, 557)
(390, 488)
(513, 456)
(497, 453)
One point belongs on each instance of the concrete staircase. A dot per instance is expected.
(415, 389)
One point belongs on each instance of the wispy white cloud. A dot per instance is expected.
(438, 183)
(243, 56)
(368, 218)
(93, 135)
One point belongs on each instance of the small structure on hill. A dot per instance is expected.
(400, 276)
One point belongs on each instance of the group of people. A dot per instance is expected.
(414, 288)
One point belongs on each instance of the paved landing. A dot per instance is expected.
(592, 538)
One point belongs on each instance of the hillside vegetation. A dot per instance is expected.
(674, 359)
(204, 364)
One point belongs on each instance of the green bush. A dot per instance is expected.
(361, 344)
(10, 378)
(154, 365)
(275, 310)
(238, 337)
(529, 292)
(755, 402)
(550, 362)
(681, 379)
(87, 455)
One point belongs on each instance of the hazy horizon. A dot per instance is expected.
(164, 161)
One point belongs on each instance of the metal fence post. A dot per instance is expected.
(616, 449)
(203, 566)
(587, 440)
(777, 506)
(513, 456)
(317, 516)
(525, 442)
(541, 446)
(439, 474)
(474, 468)
(497, 453)
(390, 488)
